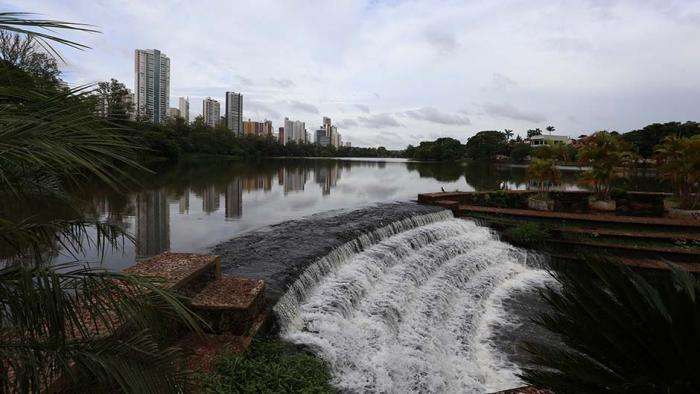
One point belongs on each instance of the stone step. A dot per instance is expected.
(187, 273)
(230, 304)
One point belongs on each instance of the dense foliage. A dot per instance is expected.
(679, 162)
(623, 332)
(604, 153)
(60, 325)
(176, 139)
(269, 366)
(645, 140)
(442, 149)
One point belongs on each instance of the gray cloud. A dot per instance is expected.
(502, 82)
(442, 41)
(378, 121)
(510, 112)
(260, 110)
(295, 105)
(433, 115)
(245, 81)
(347, 123)
(282, 83)
(363, 108)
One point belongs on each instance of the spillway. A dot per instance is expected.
(423, 304)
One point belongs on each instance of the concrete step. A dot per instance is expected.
(230, 304)
(187, 273)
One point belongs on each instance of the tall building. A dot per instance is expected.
(234, 112)
(294, 130)
(211, 110)
(328, 134)
(152, 83)
(184, 106)
(280, 135)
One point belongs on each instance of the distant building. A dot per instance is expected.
(234, 112)
(257, 128)
(103, 109)
(294, 130)
(542, 140)
(328, 134)
(280, 135)
(348, 144)
(173, 113)
(184, 106)
(152, 84)
(211, 111)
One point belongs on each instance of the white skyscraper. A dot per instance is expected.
(184, 106)
(152, 83)
(211, 110)
(234, 112)
(294, 130)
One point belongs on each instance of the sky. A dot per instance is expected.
(394, 73)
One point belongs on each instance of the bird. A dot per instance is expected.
(442, 188)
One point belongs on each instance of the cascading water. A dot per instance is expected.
(411, 307)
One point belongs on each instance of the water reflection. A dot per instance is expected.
(179, 207)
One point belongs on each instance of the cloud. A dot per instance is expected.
(442, 41)
(502, 82)
(347, 123)
(363, 108)
(295, 105)
(282, 83)
(378, 121)
(508, 111)
(433, 115)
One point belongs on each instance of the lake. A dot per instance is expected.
(194, 206)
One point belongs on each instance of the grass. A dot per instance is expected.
(269, 366)
(527, 234)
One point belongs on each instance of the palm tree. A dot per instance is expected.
(71, 324)
(509, 134)
(550, 129)
(678, 160)
(604, 152)
(621, 332)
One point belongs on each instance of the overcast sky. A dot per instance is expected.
(396, 72)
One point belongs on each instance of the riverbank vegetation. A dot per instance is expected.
(623, 332)
(269, 366)
(68, 325)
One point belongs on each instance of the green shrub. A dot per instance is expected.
(269, 366)
(527, 234)
(623, 332)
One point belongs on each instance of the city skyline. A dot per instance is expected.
(443, 71)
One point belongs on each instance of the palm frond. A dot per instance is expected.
(78, 323)
(622, 331)
(43, 29)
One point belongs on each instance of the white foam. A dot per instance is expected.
(411, 307)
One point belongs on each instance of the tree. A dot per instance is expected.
(442, 149)
(113, 100)
(509, 134)
(551, 129)
(604, 153)
(485, 145)
(21, 53)
(520, 151)
(533, 132)
(59, 322)
(646, 139)
(544, 173)
(621, 332)
(678, 160)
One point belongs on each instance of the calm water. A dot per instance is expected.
(196, 206)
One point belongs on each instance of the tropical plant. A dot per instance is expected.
(605, 153)
(544, 173)
(620, 331)
(70, 325)
(678, 160)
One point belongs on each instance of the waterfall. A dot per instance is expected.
(411, 307)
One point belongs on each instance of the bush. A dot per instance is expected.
(269, 366)
(527, 234)
(623, 332)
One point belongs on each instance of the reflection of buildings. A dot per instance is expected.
(294, 179)
(210, 199)
(258, 182)
(233, 199)
(152, 223)
(184, 202)
(327, 177)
